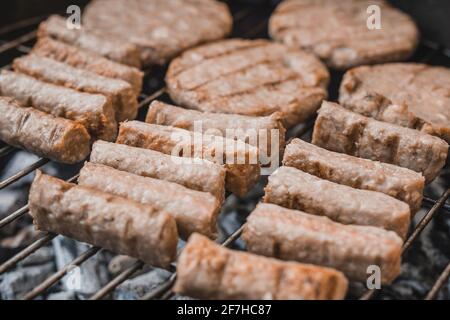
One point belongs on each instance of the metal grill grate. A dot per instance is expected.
(248, 24)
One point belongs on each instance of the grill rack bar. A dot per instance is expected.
(18, 44)
(417, 230)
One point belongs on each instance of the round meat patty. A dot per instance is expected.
(338, 32)
(408, 94)
(249, 77)
(160, 28)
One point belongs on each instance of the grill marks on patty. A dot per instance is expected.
(245, 77)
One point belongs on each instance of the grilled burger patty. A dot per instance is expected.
(110, 47)
(87, 60)
(161, 29)
(202, 176)
(104, 220)
(295, 189)
(121, 94)
(340, 130)
(408, 94)
(401, 183)
(344, 39)
(94, 111)
(249, 77)
(163, 195)
(206, 270)
(297, 236)
(51, 137)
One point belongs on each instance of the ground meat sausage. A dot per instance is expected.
(202, 176)
(104, 220)
(209, 271)
(121, 93)
(295, 189)
(194, 211)
(94, 111)
(293, 235)
(51, 137)
(401, 183)
(340, 130)
(239, 159)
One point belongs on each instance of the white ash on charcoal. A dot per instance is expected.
(42, 256)
(18, 161)
(11, 245)
(16, 283)
(62, 295)
(120, 263)
(85, 280)
(137, 287)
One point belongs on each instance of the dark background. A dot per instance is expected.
(433, 16)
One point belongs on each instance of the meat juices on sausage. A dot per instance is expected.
(110, 47)
(203, 175)
(297, 236)
(206, 270)
(249, 77)
(87, 60)
(122, 96)
(103, 220)
(239, 159)
(295, 189)
(256, 131)
(50, 137)
(401, 183)
(340, 130)
(194, 211)
(94, 111)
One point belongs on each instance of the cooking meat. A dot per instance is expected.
(408, 94)
(161, 29)
(348, 33)
(401, 183)
(239, 159)
(194, 211)
(94, 111)
(340, 130)
(295, 189)
(206, 270)
(249, 77)
(266, 133)
(296, 236)
(202, 175)
(104, 220)
(90, 61)
(55, 138)
(121, 93)
(112, 48)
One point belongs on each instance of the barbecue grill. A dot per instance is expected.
(250, 22)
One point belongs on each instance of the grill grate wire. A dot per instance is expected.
(163, 291)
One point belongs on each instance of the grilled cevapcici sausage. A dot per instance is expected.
(121, 93)
(104, 220)
(241, 160)
(202, 176)
(110, 47)
(256, 131)
(55, 138)
(194, 211)
(340, 130)
(87, 60)
(94, 111)
(297, 236)
(206, 270)
(401, 183)
(295, 189)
